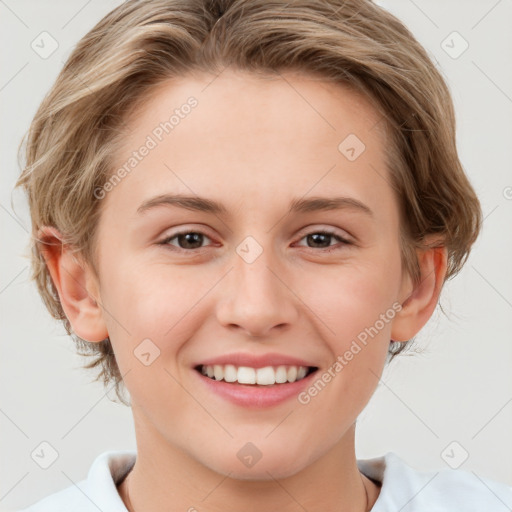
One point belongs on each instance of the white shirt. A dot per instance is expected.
(403, 488)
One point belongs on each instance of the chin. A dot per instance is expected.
(273, 466)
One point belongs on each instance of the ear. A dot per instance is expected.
(418, 302)
(76, 285)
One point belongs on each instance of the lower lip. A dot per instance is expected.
(253, 395)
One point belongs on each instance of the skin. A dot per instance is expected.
(252, 144)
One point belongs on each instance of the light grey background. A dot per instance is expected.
(458, 390)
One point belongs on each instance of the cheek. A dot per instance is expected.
(356, 315)
(148, 317)
(351, 297)
(156, 302)
(354, 303)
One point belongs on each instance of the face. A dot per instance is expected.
(285, 254)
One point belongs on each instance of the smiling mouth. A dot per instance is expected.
(266, 376)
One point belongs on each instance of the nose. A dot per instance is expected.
(257, 299)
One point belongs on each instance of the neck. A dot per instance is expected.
(166, 475)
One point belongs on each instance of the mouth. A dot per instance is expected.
(265, 376)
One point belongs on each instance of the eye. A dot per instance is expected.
(323, 238)
(186, 240)
(193, 240)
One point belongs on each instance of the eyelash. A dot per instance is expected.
(343, 241)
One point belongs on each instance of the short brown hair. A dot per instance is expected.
(142, 43)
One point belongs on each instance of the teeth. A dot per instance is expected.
(230, 373)
(246, 375)
(281, 375)
(266, 376)
(218, 372)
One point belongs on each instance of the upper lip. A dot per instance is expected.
(255, 361)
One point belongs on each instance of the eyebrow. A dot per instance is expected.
(202, 204)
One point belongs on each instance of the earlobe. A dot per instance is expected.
(420, 302)
(76, 285)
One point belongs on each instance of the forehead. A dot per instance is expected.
(292, 133)
(268, 101)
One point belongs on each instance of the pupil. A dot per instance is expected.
(315, 237)
(190, 238)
